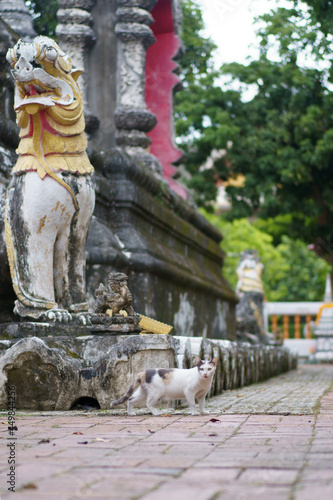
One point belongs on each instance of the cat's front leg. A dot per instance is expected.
(151, 405)
(201, 401)
(191, 403)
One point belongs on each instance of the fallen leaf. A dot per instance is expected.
(214, 434)
(42, 441)
(80, 433)
(165, 415)
(151, 432)
(214, 420)
(30, 486)
(83, 442)
(240, 395)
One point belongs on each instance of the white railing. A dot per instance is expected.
(299, 315)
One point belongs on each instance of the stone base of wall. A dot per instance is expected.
(55, 373)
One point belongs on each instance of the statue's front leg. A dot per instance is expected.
(71, 256)
(31, 230)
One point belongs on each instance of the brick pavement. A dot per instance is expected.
(269, 441)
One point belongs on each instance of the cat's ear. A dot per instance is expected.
(198, 360)
(214, 361)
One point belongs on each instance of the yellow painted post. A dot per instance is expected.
(274, 323)
(308, 327)
(297, 322)
(286, 327)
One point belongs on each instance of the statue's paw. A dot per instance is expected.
(58, 316)
(83, 319)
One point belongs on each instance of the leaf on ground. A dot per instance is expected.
(83, 442)
(151, 432)
(214, 420)
(80, 433)
(30, 486)
(42, 441)
(240, 395)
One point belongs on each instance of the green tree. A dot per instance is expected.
(321, 12)
(282, 137)
(291, 272)
(197, 76)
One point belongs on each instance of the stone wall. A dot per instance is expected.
(56, 373)
(170, 253)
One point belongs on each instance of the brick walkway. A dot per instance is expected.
(269, 441)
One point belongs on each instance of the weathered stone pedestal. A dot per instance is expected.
(99, 325)
(57, 372)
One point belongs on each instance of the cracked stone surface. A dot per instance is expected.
(272, 440)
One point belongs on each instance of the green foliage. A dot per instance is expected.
(196, 59)
(195, 103)
(45, 16)
(321, 12)
(282, 137)
(291, 271)
(305, 274)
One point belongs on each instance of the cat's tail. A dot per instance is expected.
(131, 390)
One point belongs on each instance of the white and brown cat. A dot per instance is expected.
(159, 384)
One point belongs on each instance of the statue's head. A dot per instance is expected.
(43, 73)
(117, 278)
(250, 256)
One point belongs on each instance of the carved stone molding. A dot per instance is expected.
(143, 4)
(79, 4)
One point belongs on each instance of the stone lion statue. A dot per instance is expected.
(50, 199)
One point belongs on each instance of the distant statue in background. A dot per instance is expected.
(249, 273)
(250, 289)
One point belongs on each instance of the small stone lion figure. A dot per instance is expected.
(114, 296)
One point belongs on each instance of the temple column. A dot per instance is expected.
(75, 34)
(133, 119)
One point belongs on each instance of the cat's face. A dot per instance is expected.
(206, 368)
